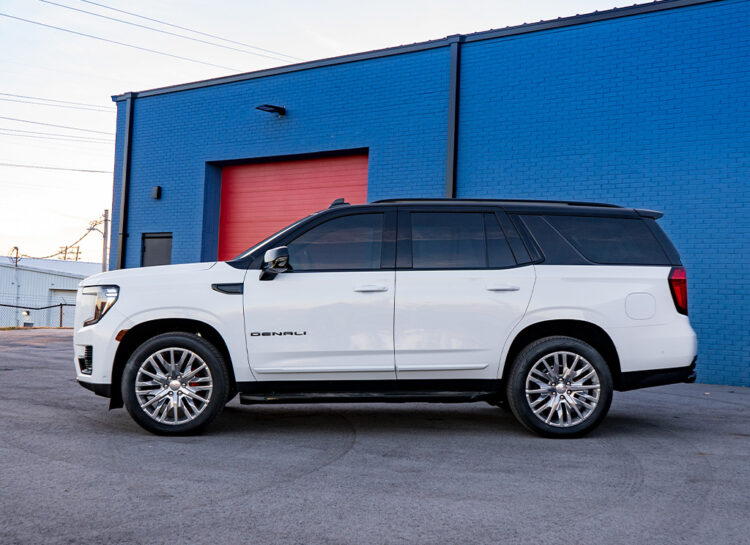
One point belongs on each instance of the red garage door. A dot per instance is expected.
(259, 199)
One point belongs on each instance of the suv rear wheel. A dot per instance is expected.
(174, 384)
(559, 387)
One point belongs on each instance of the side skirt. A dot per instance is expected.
(369, 391)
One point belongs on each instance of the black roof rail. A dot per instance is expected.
(338, 202)
(519, 201)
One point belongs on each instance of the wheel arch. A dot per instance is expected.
(587, 332)
(140, 333)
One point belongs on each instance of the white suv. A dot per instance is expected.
(541, 307)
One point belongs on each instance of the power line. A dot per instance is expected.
(34, 137)
(88, 231)
(4, 132)
(56, 105)
(56, 100)
(163, 31)
(51, 185)
(117, 43)
(56, 168)
(191, 30)
(53, 125)
(71, 136)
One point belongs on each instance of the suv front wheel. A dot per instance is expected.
(559, 387)
(174, 384)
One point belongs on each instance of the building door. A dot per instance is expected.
(156, 249)
(261, 198)
(57, 316)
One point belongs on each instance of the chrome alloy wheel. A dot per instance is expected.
(173, 386)
(562, 389)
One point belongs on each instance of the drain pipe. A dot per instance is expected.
(453, 107)
(122, 234)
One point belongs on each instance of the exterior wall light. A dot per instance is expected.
(271, 109)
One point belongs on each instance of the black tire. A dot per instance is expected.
(520, 402)
(216, 373)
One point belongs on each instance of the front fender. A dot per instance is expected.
(228, 323)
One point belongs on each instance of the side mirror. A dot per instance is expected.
(275, 261)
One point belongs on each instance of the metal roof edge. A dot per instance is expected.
(526, 28)
(298, 67)
(45, 271)
(582, 19)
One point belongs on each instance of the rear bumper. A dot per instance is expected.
(657, 377)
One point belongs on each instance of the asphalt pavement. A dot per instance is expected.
(669, 465)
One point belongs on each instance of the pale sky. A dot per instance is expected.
(43, 209)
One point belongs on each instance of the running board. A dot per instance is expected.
(365, 397)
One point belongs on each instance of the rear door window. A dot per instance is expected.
(458, 240)
(499, 255)
(448, 240)
(611, 241)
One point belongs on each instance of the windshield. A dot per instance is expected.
(277, 234)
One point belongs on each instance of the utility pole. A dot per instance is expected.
(18, 288)
(105, 234)
(104, 241)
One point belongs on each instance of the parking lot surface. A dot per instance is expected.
(669, 465)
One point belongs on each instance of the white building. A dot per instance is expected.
(34, 283)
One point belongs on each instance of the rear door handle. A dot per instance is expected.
(502, 287)
(370, 288)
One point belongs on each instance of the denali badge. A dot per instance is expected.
(276, 333)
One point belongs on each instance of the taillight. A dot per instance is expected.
(678, 287)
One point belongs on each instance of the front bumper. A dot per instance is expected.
(104, 390)
(95, 346)
(657, 377)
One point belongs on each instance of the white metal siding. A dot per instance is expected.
(19, 286)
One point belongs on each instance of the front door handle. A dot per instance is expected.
(370, 288)
(502, 287)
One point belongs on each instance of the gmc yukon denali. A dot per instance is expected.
(543, 308)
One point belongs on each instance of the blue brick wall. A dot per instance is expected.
(650, 111)
(396, 107)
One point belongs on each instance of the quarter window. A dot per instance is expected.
(615, 241)
(345, 243)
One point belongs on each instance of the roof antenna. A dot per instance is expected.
(338, 202)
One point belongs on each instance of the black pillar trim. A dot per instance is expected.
(454, 84)
(125, 180)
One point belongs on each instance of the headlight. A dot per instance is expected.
(96, 301)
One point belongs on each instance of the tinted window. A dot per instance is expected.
(498, 251)
(349, 242)
(445, 240)
(616, 241)
(514, 240)
(556, 250)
